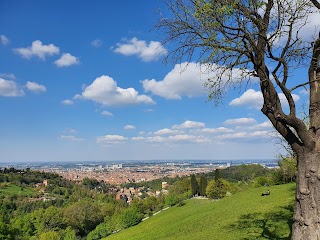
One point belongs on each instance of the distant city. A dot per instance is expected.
(119, 172)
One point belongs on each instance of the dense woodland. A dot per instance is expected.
(63, 209)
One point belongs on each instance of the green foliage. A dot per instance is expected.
(102, 230)
(216, 174)
(244, 172)
(287, 171)
(194, 185)
(90, 183)
(49, 236)
(5, 232)
(171, 200)
(203, 185)
(69, 234)
(83, 216)
(50, 219)
(180, 187)
(261, 181)
(130, 217)
(217, 189)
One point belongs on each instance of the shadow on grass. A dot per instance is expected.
(272, 225)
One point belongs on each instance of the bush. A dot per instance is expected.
(101, 231)
(261, 181)
(130, 217)
(217, 188)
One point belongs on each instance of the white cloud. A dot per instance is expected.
(67, 102)
(66, 60)
(304, 92)
(215, 130)
(129, 127)
(185, 79)
(104, 90)
(254, 99)
(188, 79)
(245, 135)
(35, 87)
(264, 125)
(180, 138)
(167, 131)
(189, 124)
(284, 101)
(8, 76)
(147, 52)
(9, 88)
(106, 113)
(249, 98)
(38, 49)
(189, 138)
(111, 139)
(240, 121)
(4, 40)
(71, 138)
(96, 43)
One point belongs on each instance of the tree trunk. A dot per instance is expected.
(306, 220)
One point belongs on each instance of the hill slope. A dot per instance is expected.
(245, 215)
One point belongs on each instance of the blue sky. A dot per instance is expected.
(85, 80)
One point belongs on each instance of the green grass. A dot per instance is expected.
(246, 215)
(11, 189)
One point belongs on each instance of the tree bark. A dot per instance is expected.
(306, 220)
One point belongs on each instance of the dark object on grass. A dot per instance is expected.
(266, 194)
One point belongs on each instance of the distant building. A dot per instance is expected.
(116, 166)
(164, 184)
(45, 182)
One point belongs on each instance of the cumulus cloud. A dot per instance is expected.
(284, 101)
(146, 52)
(180, 138)
(106, 113)
(35, 87)
(4, 40)
(129, 127)
(67, 102)
(167, 131)
(245, 135)
(184, 79)
(249, 98)
(66, 60)
(189, 124)
(8, 76)
(104, 90)
(9, 88)
(111, 139)
(38, 49)
(188, 80)
(240, 121)
(215, 130)
(241, 129)
(96, 43)
(254, 99)
(189, 138)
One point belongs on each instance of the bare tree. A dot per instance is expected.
(245, 39)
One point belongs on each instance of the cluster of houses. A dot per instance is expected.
(124, 194)
(128, 194)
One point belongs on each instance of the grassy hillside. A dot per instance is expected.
(11, 189)
(246, 215)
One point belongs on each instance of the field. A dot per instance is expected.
(246, 215)
(11, 189)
